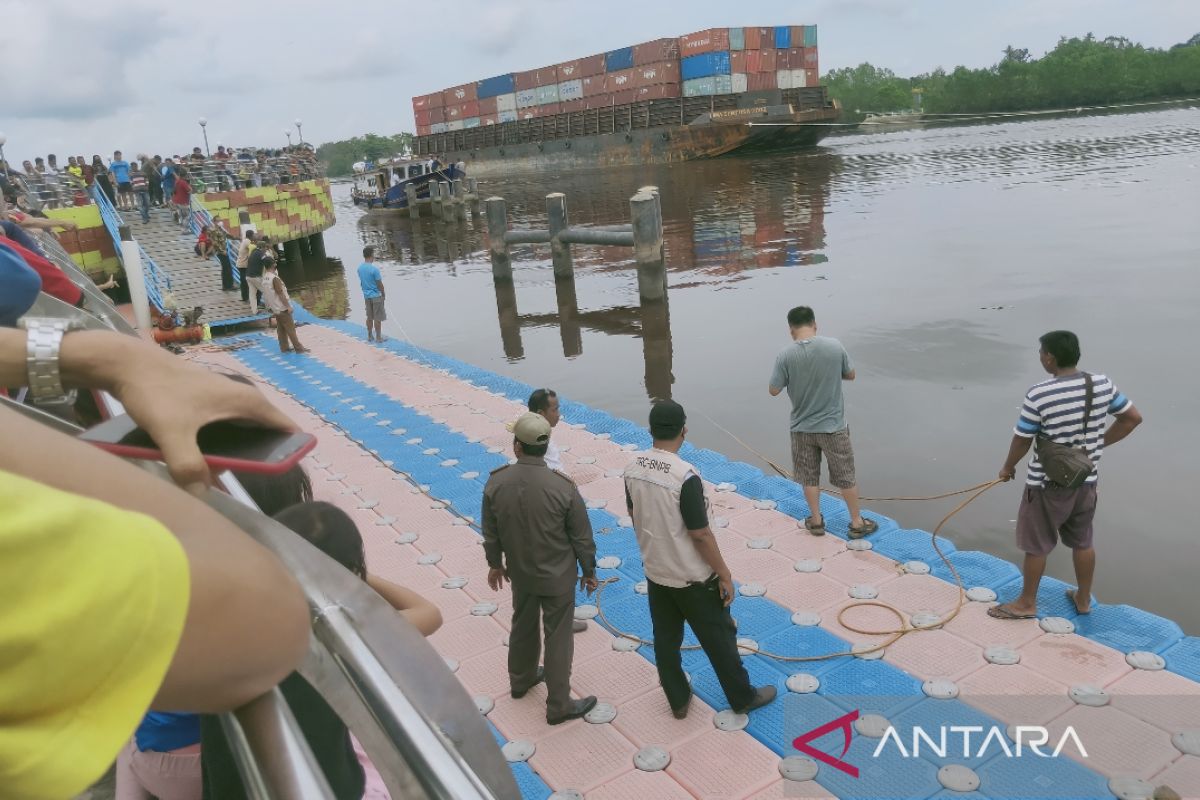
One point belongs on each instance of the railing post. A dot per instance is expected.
(410, 192)
(135, 278)
(560, 252)
(648, 245)
(497, 226)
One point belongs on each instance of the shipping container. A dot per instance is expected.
(659, 91)
(593, 85)
(428, 101)
(615, 60)
(437, 115)
(722, 84)
(760, 81)
(509, 115)
(739, 82)
(570, 90)
(791, 79)
(783, 37)
(793, 58)
(454, 125)
(810, 35)
(810, 58)
(571, 106)
(422, 118)
(737, 38)
(569, 71)
(737, 61)
(697, 87)
(705, 64)
(547, 94)
(439, 127)
(460, 94)
(546, 76)
(707, 41)
(506, 102)
(527, 113)
(548, 110)
(490, 87)
(488, 119)
(761, 60)
(526, 98)
(592, 65)
(488, 105)
(471, 122)
(812, 77)
(424, 130)
(603, 100)
(524, 80)
(759, 38)
(470, 109)
(624, 96)
(656, 51)
(651, 74)
(618, 81)
(454, 112)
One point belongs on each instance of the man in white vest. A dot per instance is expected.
(686, 576)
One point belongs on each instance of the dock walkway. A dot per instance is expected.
(406, 441)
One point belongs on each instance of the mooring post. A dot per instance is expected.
(497, 226)
(410, 194)
(444, 193)
(131, 258)
(657, 205)
(568, 317)
(473, 194)
(510, 320)
(560, 251)
(460, 204)
(648, 245)
(435, 199)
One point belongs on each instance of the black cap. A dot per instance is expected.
(666, 419)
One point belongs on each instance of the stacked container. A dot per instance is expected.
(715, 61)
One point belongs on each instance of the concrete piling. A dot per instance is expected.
(560, 251)
(460, 204)
(447, 213)
(410, 193)
(316, 246)
(646, 214)
(135, 279)
(497, 226)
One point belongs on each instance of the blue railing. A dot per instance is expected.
(157, 281)
(205, 218)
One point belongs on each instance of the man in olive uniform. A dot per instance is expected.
(536, 534)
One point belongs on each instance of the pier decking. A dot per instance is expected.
(407, 439)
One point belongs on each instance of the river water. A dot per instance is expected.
(937, 256)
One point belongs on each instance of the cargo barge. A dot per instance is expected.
(702, 95)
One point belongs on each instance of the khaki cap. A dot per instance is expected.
(531, 428)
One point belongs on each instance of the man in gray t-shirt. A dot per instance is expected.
(812, 369)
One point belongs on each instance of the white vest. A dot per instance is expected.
(654, 480)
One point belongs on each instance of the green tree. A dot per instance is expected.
(339, 157)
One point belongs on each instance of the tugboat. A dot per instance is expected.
(383, 185)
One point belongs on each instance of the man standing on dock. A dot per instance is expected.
(254, 269)
(1054, 411)
(812, 369)
(536, 534)
(686, 576)
(371, 280)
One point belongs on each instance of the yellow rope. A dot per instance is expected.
(906, 627)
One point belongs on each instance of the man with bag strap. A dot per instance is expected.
(686, 577)
(1067, 416)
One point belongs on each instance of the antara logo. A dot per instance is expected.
(1032, 736)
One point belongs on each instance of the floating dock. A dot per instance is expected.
(406, 441)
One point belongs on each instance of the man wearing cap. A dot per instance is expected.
(535, 533)
(545, 402)
(686, 576)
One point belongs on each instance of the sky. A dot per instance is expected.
(91, 77)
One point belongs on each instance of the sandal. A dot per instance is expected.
(816, 529)
(1004, 612)
(869, 526)
(1075, 605)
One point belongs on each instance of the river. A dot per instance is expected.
(937, 256)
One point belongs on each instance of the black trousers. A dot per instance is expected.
(226, 271)
(700, 606)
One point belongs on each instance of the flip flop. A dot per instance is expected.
(1003, 612)
(817, 529)
(869, 526)
(1071, 597)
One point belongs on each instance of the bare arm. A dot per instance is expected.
(1016, 451)
(706, 546)
(247, 623)
(423, 614)
(379, 286)
(1124, 424)
(39, 224)
(774, 390)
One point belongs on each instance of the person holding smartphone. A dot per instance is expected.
(686, 576)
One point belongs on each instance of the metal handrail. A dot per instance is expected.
(158, 282)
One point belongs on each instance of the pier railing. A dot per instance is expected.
(201, 217)
(158, 282)
(231, 174)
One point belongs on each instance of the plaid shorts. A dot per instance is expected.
(806, 458)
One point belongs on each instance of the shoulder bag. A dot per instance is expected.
(1068, 466)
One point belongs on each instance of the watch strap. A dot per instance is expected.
(42, 346)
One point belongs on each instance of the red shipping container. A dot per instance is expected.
(758, 81)
(487, 106)
(423, 130)
(659, 91)
(813, 77)
(421, 117)
(810, 58)
(460, 94)
(624, 96)
(737, 61)
(545, 76)
(708, 41)
(593, 85)
(592, 65)
(792, 58)
(652, 74)
(428, 101)
(769, 61)
(437, 115)
(569, 71)
(619, 80)
(570, 106)
(598, 101)
(470, 109)
(658, 50)
(525, 80)
(758, 38)
(548, 110)
(488, 119)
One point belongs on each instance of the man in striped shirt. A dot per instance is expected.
(1054, 409)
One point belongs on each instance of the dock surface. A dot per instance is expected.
(406, 441)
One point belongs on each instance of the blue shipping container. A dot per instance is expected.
(704, 65)
(737, 39)
(618, 59)
(783, 37)
(699, 87)
(810, 35)
(490, 87)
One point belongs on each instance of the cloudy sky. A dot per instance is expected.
(87, 77)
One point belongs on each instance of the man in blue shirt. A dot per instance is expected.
(119, 168)
(372, 288)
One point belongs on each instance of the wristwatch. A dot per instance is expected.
(44, 337)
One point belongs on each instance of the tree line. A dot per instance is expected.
(339, 157)
(1077, 72)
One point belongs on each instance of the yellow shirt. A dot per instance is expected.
(94, 601)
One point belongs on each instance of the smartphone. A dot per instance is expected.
(225, 445)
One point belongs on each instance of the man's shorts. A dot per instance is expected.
(375, 309)
(124, 188)
(1048, 513)
(806, 458)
